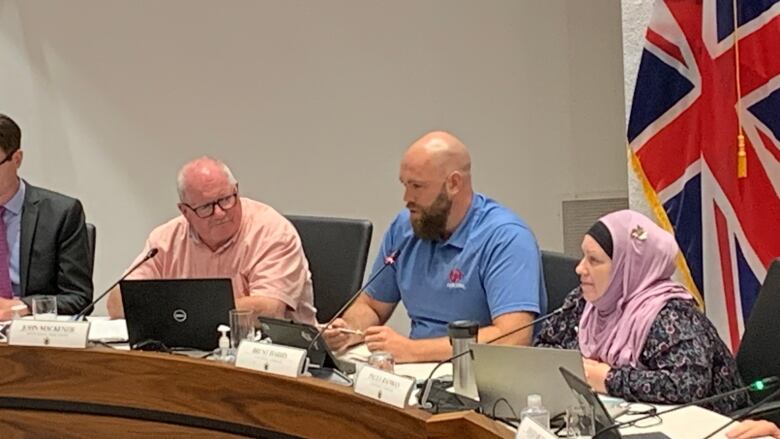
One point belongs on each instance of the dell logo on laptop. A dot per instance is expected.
(179, 315)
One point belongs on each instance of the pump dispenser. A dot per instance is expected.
(222, 353)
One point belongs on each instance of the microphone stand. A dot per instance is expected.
(765, 381)
(423, 400)
(80, 316)
(389, 260)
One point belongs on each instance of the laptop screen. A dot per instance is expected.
(178, 313)
(299, 335)
(511, 373)
(585, 394)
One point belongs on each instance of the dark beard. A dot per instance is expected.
(432, 223)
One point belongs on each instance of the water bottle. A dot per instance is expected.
(462, 334)
(536, 411)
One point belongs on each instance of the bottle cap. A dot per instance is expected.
(463, 329)
(534, 400)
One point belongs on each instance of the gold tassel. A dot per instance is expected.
(741, 157)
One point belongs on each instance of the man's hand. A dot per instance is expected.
(337, 340)
(382, 338)
(5, 308)
(749, 428)
(596, 374)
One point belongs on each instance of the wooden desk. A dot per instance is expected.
(108, 393)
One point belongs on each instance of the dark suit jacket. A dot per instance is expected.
(54, 250)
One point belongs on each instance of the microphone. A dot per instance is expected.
(423, 400)
(756, 385)
(526, 326)
(389, 260)
(88, 308)
(751, 409)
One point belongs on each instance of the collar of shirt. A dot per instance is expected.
(461, 234)
(14, 205)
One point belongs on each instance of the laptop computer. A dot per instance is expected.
(585, 395)
(177, 313)
(514, 372)
(758, 356)
(299, 335)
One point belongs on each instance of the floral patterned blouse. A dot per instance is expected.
(683, 358)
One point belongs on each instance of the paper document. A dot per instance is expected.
(102, 329)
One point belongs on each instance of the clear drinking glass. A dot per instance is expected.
(579, 421)
(44, 308)
(382, 361)
(242, 327)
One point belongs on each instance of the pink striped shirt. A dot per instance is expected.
(264, 258)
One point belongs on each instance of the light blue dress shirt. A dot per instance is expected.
(13, 229)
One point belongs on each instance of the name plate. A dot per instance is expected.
(280, 360)
(383, 386)
(53, 333)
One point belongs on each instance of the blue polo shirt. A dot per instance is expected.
(489, 266)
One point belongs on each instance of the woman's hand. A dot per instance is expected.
(596, 374)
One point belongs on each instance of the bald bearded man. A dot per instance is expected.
(462, 256)
(220, 234)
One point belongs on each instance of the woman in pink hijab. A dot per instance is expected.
(640, 333)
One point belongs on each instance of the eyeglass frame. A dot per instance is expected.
(212, 204)
(648, 414)
(638, 408)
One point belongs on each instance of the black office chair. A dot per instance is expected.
(91, 236)
(337, 249)
(559, 277)
(759, 351)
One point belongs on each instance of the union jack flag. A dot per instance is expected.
(682, 134)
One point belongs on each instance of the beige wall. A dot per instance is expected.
(311, 102)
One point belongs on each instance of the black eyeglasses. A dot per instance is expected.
(646, 412)
(8, 157)
(206, 210)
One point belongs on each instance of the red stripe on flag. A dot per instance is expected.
(770, 145)
(667, 46)
(728, 277)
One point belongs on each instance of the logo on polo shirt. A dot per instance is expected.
(455, 279)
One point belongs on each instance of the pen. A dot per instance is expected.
(342, 330)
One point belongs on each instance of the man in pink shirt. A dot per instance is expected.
(220, 234)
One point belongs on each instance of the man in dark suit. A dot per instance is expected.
(44, 249)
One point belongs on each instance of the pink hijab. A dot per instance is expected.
(613, 328)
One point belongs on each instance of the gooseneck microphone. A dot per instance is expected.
(389, 260)
(423, 400)
(88, 308)
(526, 326)
(750, 410)
(756, 385)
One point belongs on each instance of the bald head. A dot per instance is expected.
(439, 153)
(436, 174)
(202, 174)
(209, 200)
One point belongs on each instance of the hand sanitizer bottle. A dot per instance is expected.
(222, 353)
(536, 411)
